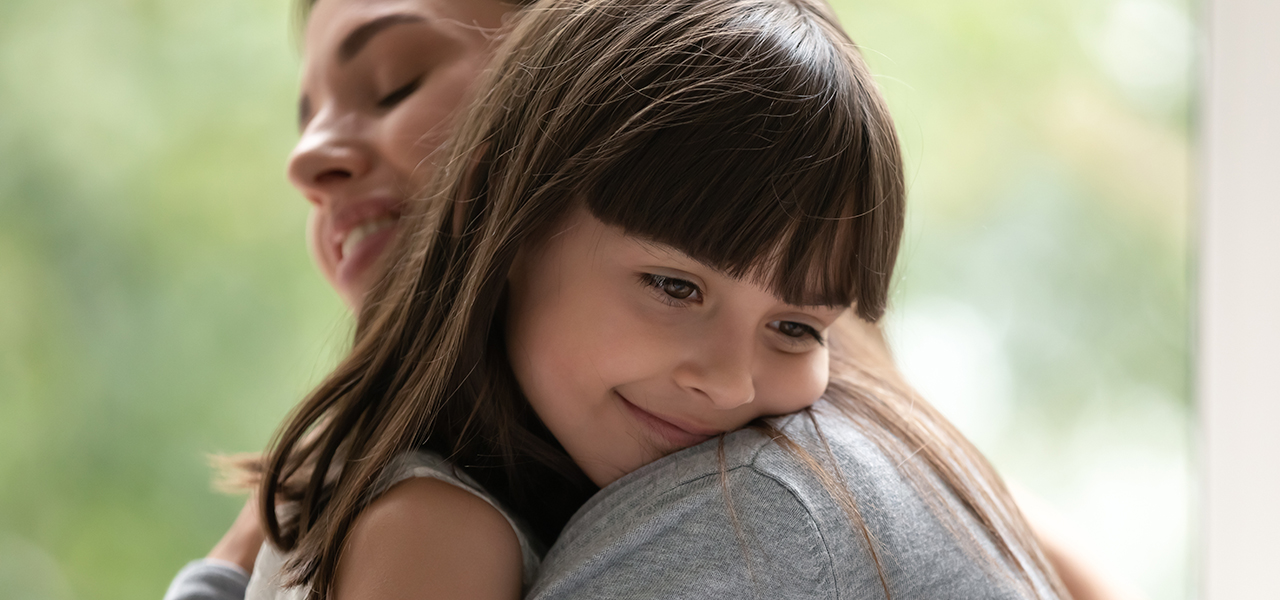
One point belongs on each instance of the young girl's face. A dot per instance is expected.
(381, 82)
(629, 350)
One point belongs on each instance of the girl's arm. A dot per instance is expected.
(428, 538)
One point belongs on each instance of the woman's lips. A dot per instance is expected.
(675, 434)
(362, 247)
(364, 230)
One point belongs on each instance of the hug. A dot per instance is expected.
(618, 293)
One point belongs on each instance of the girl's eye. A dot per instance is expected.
(674, 289)
(798, 331)
(400, 93)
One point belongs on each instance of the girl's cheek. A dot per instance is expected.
(801, 385)
(820, 374)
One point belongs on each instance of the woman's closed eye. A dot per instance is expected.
(671, 290)
(399, 94)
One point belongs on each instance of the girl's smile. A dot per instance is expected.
(682, 436)
(630, 350)
(380, 85)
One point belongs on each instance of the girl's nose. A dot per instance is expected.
(324, 159)
(721, 371)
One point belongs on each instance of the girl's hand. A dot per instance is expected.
(241, 543)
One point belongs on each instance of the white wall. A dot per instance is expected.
(1239, 285)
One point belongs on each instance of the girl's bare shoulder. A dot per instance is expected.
(427, 537)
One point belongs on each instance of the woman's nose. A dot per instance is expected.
(325, 158)
(721, 370)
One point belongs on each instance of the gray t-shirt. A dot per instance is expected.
(665, 531)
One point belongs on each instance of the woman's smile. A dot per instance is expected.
(357, 236)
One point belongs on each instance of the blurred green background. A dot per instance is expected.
(157, 303)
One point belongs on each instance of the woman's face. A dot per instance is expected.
(382, 81)
(630, 350)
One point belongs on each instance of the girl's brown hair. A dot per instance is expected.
(748, 134)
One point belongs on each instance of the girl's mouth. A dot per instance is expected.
(672, 433)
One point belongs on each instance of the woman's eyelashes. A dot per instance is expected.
(673, 291)
(399, 94)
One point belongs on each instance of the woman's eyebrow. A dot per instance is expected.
(360, 36)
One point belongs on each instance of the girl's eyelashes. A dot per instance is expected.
(682, 292)
(798, 331)
(399, 94)
(677, 292)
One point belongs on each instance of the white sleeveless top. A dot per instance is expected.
(265, 582)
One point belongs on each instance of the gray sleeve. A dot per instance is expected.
(205, 579)
(682, 543)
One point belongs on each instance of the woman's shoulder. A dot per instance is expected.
(666, 531)
(751, 510)
(703, 522)
(927, 544)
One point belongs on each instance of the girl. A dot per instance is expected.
(321, 179)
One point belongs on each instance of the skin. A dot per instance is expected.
(381, 83)
(401, 548)
(630, 350)
(370, 121)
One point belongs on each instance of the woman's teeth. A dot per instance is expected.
(364, 230)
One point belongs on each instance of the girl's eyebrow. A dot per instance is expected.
(360, 36)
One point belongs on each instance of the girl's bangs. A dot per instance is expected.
(804, 258)
(749, 137)
(747, 191)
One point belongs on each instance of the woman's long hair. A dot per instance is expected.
(747, 133)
